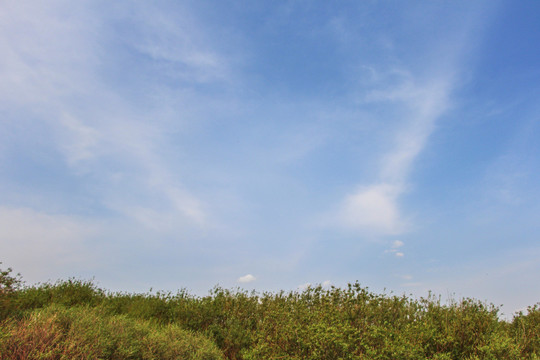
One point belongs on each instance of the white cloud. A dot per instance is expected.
(397, 244)
(246, 279)
(424, 105)
(326, 283)
(372, 209)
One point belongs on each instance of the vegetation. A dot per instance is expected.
(59, 332)
(74, 319)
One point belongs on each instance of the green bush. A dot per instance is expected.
(71, 292)
(525, 329)
(353, 323)
(58, 332)
(9, 284)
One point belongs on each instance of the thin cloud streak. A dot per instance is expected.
(180, 45)
(112, 131)
(421, 98)
(102, 136)
(425, 105)
(374, 209)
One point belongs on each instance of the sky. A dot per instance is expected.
(271, 145)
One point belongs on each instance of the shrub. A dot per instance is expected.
(9, 284)
(525, 329)
(71, 292)
(57, 320)
(78, 333)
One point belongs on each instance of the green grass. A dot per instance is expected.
(74, 319)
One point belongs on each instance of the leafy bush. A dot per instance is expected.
(9, 284)
(71, 292)
(160, 308)
(353, 323)
(57, 332)
(525, 329)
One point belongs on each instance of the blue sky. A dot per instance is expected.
(273, 144)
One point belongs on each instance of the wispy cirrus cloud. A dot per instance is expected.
(416, 95)
(54, 67)
(105, 138)
(182, 48)
(374, 208)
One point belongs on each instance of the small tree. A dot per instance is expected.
(8, 286)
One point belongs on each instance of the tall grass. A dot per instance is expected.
(317, 323)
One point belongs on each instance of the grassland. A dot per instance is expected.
(74, 319)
